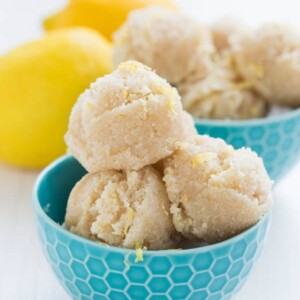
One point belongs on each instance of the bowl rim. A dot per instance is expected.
(249, 122)
(38, 210)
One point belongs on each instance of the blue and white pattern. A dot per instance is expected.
(88, 270)
(275, 139)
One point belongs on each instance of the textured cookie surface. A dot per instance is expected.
(126, 120)
(216, 191)
(221, 94)
(269, 58)
(166, 41)
(122, 208)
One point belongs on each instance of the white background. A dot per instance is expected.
(24, 274)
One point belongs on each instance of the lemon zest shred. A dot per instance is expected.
(185, 197)
(139, 252)
(243, 85)
(164, 209)
(126, 94)
(203, 157)
(257, 69)
(90, 105)
(129, 218)
(129, 66)
(126, 261)
(179, 145)
(196, 160)
(170, 105)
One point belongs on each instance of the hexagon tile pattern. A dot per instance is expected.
(276, 140)
(87, 270)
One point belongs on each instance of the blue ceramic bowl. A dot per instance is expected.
(90, 270)
(275, 139)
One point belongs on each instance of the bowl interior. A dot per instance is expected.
(53, 189)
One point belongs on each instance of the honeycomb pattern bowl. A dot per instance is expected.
(275, 139)
(90, 270)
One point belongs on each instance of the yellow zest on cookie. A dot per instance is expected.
(203, 157)
(196, 161)
(179, 145)
(139, 252)
(126, 261)
(164, 209)
(90, 105)
(257, 69)
(126, 94)
(243, 85)
(170, 105)
(129, 66)
(129, 218)
(185, 197)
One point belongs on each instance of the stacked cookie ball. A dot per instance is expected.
(223, 71)
(151, 179)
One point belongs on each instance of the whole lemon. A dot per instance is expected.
(39, 83)
(105, 16)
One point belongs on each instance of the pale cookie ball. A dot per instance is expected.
(126, 120)
(122, 208)
(269, 58)
(221, 95)
(167, 41)
(216, 191)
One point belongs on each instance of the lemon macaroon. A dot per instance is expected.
(269, 58)
(216, 192)
(170, 42)
(221, 94)
(126, 120)
(122, 208)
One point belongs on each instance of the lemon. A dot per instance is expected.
(105, 16)
(39, 83)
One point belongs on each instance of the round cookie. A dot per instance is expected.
(216, 191)
(126, 120)
(122, 208)
(269, 58)
(221, 95)
(167, 41)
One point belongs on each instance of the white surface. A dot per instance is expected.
(24, 274)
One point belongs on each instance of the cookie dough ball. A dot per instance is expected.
(216, 191)
(223, 30)
(167, 41)
(221, 95)
(126, 120)
(269, 58)
(122, 208)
